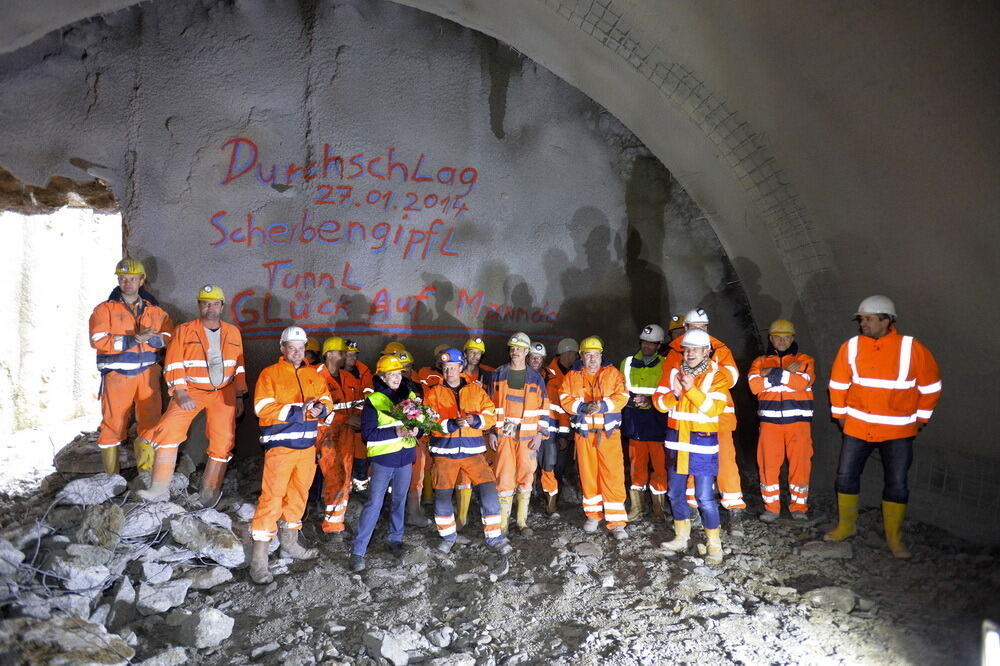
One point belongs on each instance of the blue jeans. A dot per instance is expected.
(896, 455)
(381, 478)
(704, 492)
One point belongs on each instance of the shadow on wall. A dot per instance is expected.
(647, 193)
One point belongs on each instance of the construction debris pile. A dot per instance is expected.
(91, 574)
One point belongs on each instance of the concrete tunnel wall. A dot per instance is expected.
(837, 152)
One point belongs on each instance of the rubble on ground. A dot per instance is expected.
(125, 581)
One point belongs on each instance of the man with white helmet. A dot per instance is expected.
(290, 400)
(645, 427)
(693, 395)
(129, 330)
(883, 390)
(522, 415)
(204, 371)
(728, 479)
(782, 380)
(593, 394)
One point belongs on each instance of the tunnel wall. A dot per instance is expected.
(836, 151)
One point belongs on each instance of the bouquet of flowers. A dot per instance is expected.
(413, 413)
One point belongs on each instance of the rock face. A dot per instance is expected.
(92, 489)
(208, 541)
(159, 598)
(62, 641)
(146, 518)
(835, 598)
(10, 558)
(206, 628)
(102, 525)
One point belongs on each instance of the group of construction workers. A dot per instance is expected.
(501, 431)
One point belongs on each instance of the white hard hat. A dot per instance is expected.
(537, 348)
(696, 338)
(519, 339)
(877, 304)
(696, 316)
(567, 345)
(293, 334)
(652, 333)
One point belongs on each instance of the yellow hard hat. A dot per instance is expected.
(334, 344)
(405, 357)
(393, 348)
(211, 292)
(676, 321)
(475, 343)
(352, 345)
(781, 327)
(388, 363)
(312, 344)
(519, 339)
(593, 343)
(130, 267)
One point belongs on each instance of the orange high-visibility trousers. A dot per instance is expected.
(728, 480)
(602, 477)
(118, 394)
(336, 460)
(284, 490)
(642, 455)
(778, 442)
(220, 416)
(514, 465)
(420, 465)
(550, 484)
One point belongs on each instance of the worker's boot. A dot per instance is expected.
(657, 505)
(259, 572)
(522, 514)
(506, 503)
(144, 454)
(892, 521)
(682, 534)
(847, 517)
(551, 508)
(713, 541)
(211, 482)
(464, 499)
(109, 456)
(163, 472)
(414, 514)
(290, 546)
(635, 510)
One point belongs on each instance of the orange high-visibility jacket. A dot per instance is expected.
(186, 365)
(723, 356)
(341, 405)
(697, 412)
(784, 397)
(281, 392)
(554, 376)
(113, 327)
(472, 403)
(528, 406)
(883, 388)
(429, 376)
(606, 387)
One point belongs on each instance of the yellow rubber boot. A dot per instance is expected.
(506, 503)
(713, 541)
(682, 534)
(464, 499)
(523, 499)
(635, 499)
(892, 521)
(109, 456)
(847, 517)
(144, 453)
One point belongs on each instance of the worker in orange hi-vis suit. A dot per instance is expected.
(593, 394)
(549, 453)
(465, 411)
(336, 446)
(314, 352)
(290, 399)
(522, 412)
(692, 394)
(782, 380)
(204, 371)
(728, 479)
(883, 390)
(129, 330)
(567, 354)
(357, 381)
(421, 485)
